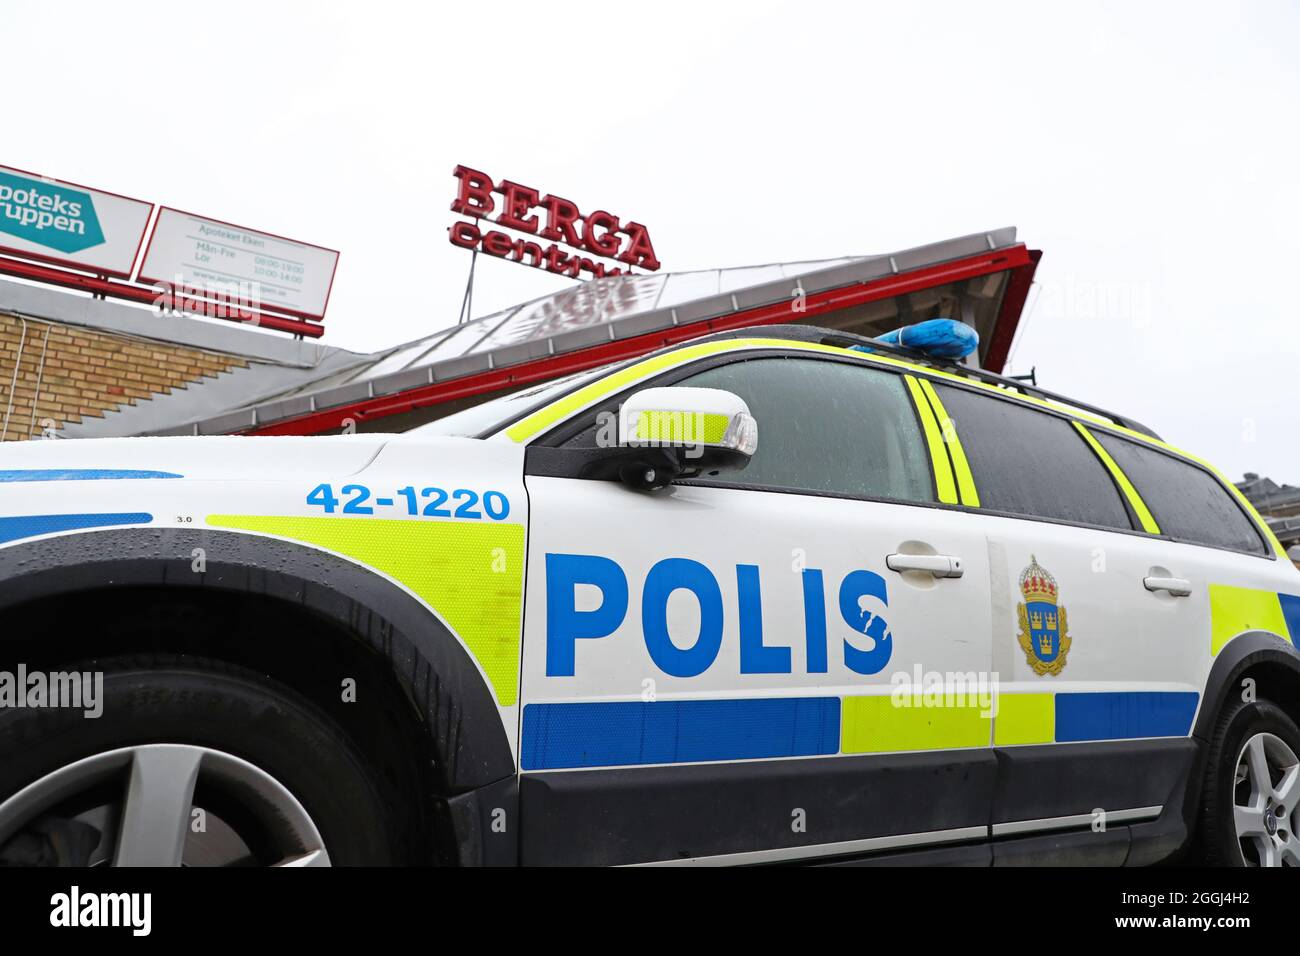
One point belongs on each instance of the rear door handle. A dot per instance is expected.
(940, 565)
(1178, 587)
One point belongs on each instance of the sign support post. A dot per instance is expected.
(467, 302)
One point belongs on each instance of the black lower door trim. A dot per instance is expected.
(768, 810)
(1057, 781)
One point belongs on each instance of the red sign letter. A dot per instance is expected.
(518, 201)
(560, 217)
(464, 234)
(639, 251)
(497, 244)
(607, 243)
(475, 197)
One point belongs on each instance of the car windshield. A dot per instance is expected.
(489, 417)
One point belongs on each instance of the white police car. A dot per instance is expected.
(778, 595)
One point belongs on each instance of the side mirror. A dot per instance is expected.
(670, 433)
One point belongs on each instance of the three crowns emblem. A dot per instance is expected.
(1043, 631)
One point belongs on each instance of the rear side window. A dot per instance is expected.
(1187, 502)
(1030, 463)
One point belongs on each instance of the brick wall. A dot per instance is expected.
(88, 373)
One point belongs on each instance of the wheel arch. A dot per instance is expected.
(1270, 660)
(453, 703)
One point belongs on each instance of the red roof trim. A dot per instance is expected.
(150, 296)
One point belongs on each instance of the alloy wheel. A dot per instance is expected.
(162, 805)
(1266, 790)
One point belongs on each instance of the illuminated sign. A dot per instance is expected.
(550, 218)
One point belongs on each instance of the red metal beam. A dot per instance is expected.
(999, 260)
(151, 296)
(1013, 304)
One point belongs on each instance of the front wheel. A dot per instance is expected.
(1251, 802)
(192, 762)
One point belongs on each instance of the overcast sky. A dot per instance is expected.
(1150, 150)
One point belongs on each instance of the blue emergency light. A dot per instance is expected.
(940, 338)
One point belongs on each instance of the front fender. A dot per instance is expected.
(455, 702)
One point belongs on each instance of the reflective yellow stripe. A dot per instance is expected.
(707, 428)
(1139, 506)
(1236, 610)
(878, 725)
(1025, 719)
(943, 481)
(948, 429)
(470, 572)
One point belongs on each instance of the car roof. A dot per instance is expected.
(813, 338)
(923, 362)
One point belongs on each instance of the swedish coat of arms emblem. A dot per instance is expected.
(1043, 634)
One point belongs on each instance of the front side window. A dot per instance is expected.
(1188, 503)
(1028, 462)
(826, 426)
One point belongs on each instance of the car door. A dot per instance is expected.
(1215, 548)
(1211, 557)
(1100, 675)
(729, 671)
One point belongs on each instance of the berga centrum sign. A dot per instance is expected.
(551, 218)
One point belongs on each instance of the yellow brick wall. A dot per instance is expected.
(88, 373)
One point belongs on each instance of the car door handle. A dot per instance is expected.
(1178, 587)
(939, 565)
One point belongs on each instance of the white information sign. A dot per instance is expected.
(253, 267)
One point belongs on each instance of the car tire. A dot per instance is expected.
(223, 718)
(1244, 822)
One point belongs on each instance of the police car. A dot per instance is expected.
(782, 594)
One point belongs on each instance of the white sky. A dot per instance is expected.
(1150, 150)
